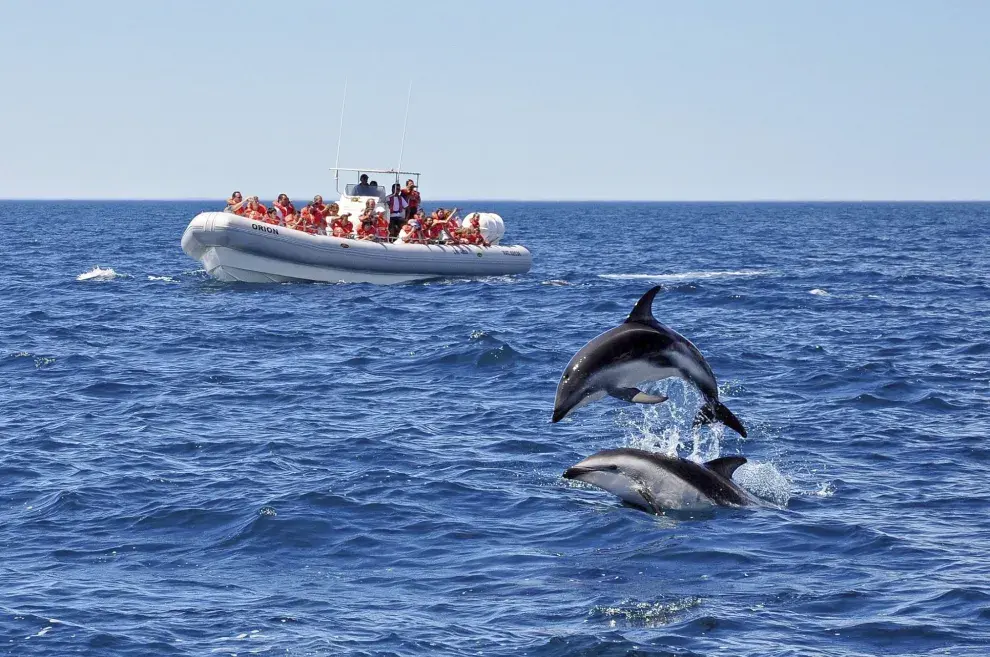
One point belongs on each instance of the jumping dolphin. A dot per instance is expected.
(655, 482)
(640, 349)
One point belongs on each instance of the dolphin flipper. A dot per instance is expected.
(636, 396)
(716, 410)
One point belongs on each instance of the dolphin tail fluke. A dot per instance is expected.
(716, 410)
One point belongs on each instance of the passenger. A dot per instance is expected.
(375, 189)
(412, 198)
(472, 234)
(284, 206)
(333, 212)
(434, 226)
(271, 217)
(319, 211)
(412, 232)
(452, 227)
(254, 210)
(341, 226)
(308, 220)
(236, 204)
(370, 205)
(366, 230)
(362, 188)
(293, 220)
(397, 205)
(381, 226)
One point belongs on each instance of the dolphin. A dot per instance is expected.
(640, 349)
(655, 482)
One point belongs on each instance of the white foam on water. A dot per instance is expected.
(818, 292)
(764, 481)
(687, 276)
(167, 279)
(98, 274)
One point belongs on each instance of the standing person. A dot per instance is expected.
(397, 205)
(413, 198)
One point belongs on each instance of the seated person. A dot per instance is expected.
(366, 228)
(472, 234)
(254, 210)
(236, 204)
(271, 217)
(284, 206)
(309, 222)
(412, 232)
(452, 227)
(341, 226)
(318, 205)
(381, 226)
(363, 188)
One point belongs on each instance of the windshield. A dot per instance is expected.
(360, 189)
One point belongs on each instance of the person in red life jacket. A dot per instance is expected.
(295, 221)
(412, 232)
(366, 228)
(412, 197)
(452, 229)
(472, 234)
(236, 204)
(382, 227)
(397, 205)
(254, 210)
(434, 226)
(341, 226)
(319, 212)
(271, 217)
(283, 206)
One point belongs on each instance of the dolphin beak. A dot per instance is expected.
(558, 415)
(574, 472)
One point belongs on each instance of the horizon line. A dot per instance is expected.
(521, 200)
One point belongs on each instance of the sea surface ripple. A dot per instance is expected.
(191, 467)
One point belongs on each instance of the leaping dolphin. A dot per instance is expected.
(640, 349)
(655, 482)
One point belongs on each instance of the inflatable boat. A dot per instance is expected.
(236, 248)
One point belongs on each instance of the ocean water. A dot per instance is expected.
(196, 468)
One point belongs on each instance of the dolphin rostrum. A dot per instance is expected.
(655, 482)
(640, 349)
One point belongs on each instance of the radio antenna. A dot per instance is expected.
(340, 132)
(405, 122)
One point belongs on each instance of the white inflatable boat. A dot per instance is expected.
(235, 248)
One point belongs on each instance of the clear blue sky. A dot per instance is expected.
(715, 100)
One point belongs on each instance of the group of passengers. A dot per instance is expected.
(406, 221)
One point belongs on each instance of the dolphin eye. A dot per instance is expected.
(566, 376)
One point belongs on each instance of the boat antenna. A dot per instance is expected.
(405, 122)
(340, 132)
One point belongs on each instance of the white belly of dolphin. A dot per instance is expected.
(661, 492)
(630, 375)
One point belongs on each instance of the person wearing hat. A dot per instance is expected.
(413, 198)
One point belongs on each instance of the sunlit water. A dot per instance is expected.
(195, 468)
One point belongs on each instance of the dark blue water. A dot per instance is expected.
(194, 468)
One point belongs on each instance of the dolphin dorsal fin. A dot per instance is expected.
(642, 312)
(726, 465)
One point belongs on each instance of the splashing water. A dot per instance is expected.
(98, 274)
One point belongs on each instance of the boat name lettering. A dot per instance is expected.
(267, 229)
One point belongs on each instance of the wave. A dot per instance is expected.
(99, 274)
(687, 276)
(818, 292)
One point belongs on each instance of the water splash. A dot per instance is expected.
(98, 274)
(645, 614)
(687, 276)
(818, 292)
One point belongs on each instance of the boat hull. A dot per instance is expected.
(234, 248)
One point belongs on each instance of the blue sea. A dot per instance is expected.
(198, 468)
